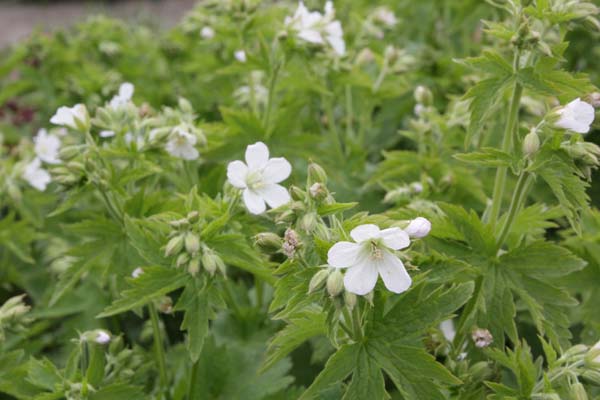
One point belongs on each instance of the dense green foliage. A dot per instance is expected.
(136, 267)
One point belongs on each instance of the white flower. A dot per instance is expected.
(181, 144)
(36, 176)
(207, 32)
(137, 272)
(106, 134)
(259, 177)
(418, 227)
(102, 337)
(70, 116)
(46, 147)
(448, 330)
(576, 116)
(123, 97)
(313, 27)
(240, 55)
(385, 16)
(372, 255)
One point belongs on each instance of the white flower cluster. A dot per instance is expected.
(46, 148)
(317, 28)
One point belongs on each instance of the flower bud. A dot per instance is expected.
(592, 376)
(99, 336)
(317, 191)
(365, 56)
(318, 280)
(193, 217)
(578, 392)
(531, 143)
(350, 299)
(69, 152)
(211, 261)
(137, 272)
(316, 173)
(335, 283)
(423, 95)
(165, 305)
(482, 338)
(192, 243)
(268, 241)
(194, 266)
(182, 259)
(297, 193)
(308, 222)
(174, 246)
(418, 227)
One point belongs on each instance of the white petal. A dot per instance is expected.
(448, 330)
(257, 155)
(187, 153)
(254, 203)
(361, 278)
(311, 36)
(395, 238)
(393, 273)
(275, 195)
(364, 232)
(343, 254)
(277, 170)
(126, 91)
(106, 134)
(338, 44)
(236, 174)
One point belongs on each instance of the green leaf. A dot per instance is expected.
(145, 241)
(119, 391)
(43, 374)
(542, 259)
(301, 327)
(194, 302)
(338, 367)
(335, 208)
(485, 98)
(367, 380)
(153, 283)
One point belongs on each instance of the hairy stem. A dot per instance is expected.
(518, 198)
(507, 141)
(158, 348)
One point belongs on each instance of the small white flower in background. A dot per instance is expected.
(106, 134)
(36, 176)
(314, 27)
(137, 272)
(207, 32)
(416, 187)
(259, 177)
(240, 55)
(448, 330)
(181, 144)
(418, 227)
(123, 97)
(372, 255)
(254, 91)
(385, 16)
(46, 147)
(68, 116)
(576, 116)
(102, 337)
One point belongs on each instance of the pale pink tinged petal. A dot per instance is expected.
(393, 273)
(257, 155)
(236, 174)
(364, 232)
(361, 278)
(254, 203)
(277, 170)
(343, 254)
(275, 195)
(395, 238)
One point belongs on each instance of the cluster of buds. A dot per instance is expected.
(13, 315)
(403, 193)
(121, 361)
(332, 280)
(585, 154)
(185, 244)
(482, 338)
(291, 242)
(525, 37)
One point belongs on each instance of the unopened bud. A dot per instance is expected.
(594, 99)
(418, 227)
(165, 305)
(297, 193)
(174, 246)
(182, 259)
(193, 217)
(317, 191)
(308, 222)
(350, 299)
(335, 283)
(592, 376)
(192, 243)
(318, 281)
(69, 152)
(316, 173)
(423, 95)
(268, 241)
(137, 272)
(194, 266)
(578, 392)
(531, 143)
(482, 338)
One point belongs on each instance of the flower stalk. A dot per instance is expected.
(158, 348)
(517, 201)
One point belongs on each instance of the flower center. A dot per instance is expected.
(375, 250)
(254, 180)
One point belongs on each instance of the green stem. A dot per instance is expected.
(158, 348)
(518, 198)
(348, 320)
(332, 128)
(193, 381)
(381, 77)
(271, 94)
(357, 323)
(511, 123)
(349, 112)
